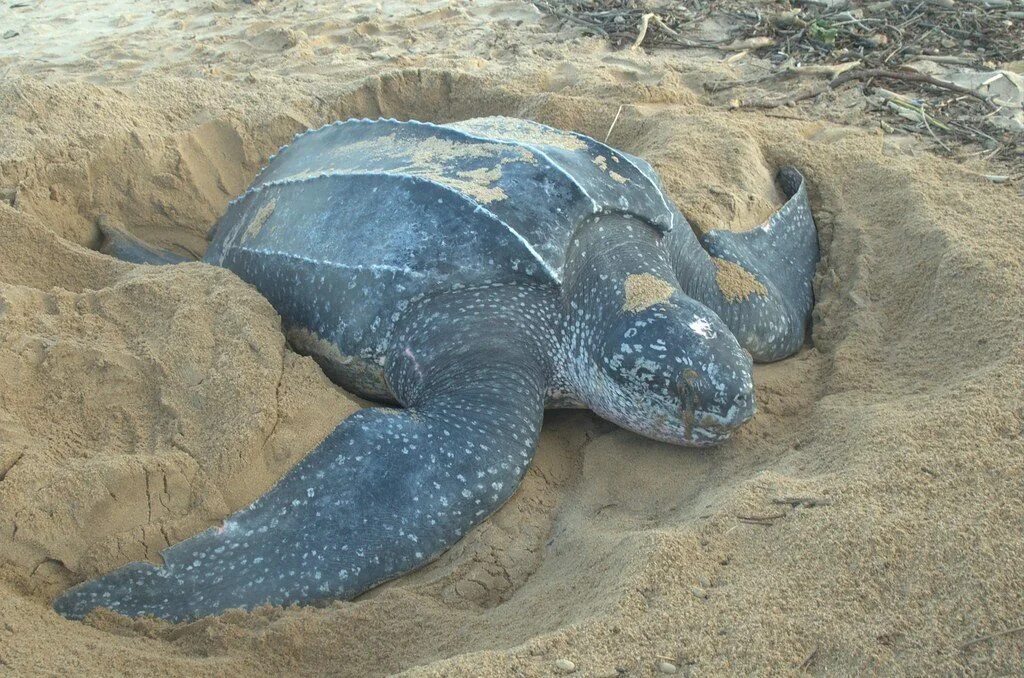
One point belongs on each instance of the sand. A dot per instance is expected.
(868, 520)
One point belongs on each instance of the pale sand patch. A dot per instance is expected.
(643, 290)
(259, 221)
(736, 282)
(439, 160)
(514, 129)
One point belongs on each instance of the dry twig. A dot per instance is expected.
(803, 501)
(645, 22)
(612, 126)
(806, 663)
(761, 520)
(997, 634)
(865, 74)
(831, 70)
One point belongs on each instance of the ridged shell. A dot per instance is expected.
(351, 222)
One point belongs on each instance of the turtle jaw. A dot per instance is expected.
(709, 429)
(688, 422)
(711, 414)
(697, 428)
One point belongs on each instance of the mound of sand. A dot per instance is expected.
(867, 520)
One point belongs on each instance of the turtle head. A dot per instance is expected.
(671, 371)
(643, 354)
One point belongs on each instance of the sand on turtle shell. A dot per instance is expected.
(736, 282)
(643, 290)
(866, 521)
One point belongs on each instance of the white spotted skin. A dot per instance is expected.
(472, 318)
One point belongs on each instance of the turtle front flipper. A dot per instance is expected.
(757, 281)
(386, 492)
(121, 244)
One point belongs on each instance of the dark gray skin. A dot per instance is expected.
(472, 274)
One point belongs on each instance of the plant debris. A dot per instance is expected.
(958, 63)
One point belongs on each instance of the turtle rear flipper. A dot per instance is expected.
(122, 245)
(385, 493)
(757, 281)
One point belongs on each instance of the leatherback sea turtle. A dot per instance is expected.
(472, 273)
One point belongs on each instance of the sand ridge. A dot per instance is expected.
(866, 521)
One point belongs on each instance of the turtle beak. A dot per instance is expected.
(700, 420)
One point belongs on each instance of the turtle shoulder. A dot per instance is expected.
(352, 222)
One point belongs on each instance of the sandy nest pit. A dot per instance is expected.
(869, 517)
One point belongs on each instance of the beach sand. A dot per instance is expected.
(868, 520)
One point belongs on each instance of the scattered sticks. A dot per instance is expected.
(834, 40)
(627, 25)
(867, 74)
